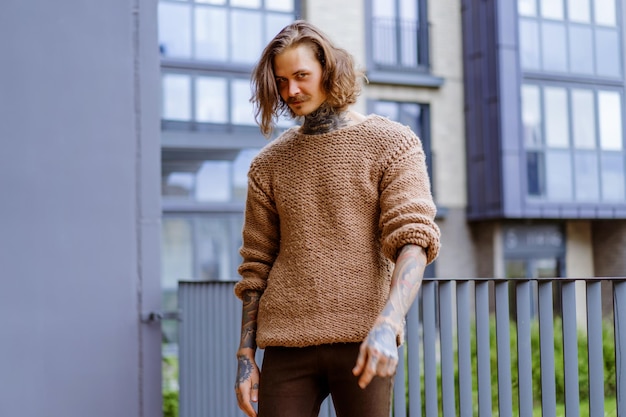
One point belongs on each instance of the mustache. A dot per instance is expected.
(298, 98)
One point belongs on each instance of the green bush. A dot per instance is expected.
(170, 404)
(608, 347)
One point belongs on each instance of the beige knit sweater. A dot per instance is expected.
(325, 217)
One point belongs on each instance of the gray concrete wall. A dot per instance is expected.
(80, 208)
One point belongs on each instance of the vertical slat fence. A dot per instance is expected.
(447, 312)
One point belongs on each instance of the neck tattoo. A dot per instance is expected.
(323, 120)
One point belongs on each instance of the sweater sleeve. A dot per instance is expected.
(261, 238)
(407, 208)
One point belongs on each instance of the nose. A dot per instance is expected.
(294, 89)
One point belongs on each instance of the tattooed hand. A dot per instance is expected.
(378, 354)
(247, 385)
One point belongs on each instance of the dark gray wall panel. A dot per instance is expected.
(79, 174)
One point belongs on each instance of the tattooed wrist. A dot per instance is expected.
(249, 319)
(244, 368)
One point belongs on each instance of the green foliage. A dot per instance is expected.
(608, 348)
(170, 404)
(170, 386)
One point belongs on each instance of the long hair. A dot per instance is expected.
(340, 78)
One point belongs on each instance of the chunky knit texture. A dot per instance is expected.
(325, 217)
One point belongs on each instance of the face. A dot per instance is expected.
(299, 79)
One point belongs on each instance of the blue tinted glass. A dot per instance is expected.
(529, 44)
(534, 170)
(581, 49)
(559, 176)
(607, 53)
(174, 32)
(384, 41)
(586, 176)
(211, 25)
(274, 23)
(612, 176)
(554, 53)
(246, 36)
(219, 180)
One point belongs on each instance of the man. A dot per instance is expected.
(339, 226)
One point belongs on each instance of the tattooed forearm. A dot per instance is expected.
(405, 282)
(249, 319)
(323, 120)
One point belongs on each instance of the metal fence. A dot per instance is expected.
(447, 361)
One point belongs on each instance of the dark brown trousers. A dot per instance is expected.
(295, 382)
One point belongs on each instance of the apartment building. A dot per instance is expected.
(519, 106)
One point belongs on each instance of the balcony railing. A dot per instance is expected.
(459, 334)
(399, 44)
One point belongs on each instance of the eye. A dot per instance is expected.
(301, 75)
(280, 80)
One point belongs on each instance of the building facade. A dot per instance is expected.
(519, 105)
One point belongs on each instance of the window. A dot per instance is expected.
(398, 42)
(414, 115)
(211, 30)
(574, 143)
(574, 37)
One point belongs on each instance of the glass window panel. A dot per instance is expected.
(552, 9)
(531, 115)
(219, 180)
(411, 115)
(216, 2)
(583, 119)
(408, 9)
(610, 118)
(251, 4)
(274, 24)
(579, 11)
(380, 8)
(210, 34)
(607, 53)
(246, 44)
(211, 100)
(586, 176)
(213, 182)
(556, 117)
(387, 109)
(241, 165)
(176, 97)
(605, 12)
(613, 177)
(558, 176)
(408, 39)
(200, 247)
(581, 49)
(554, 53)
(545, 268)
(243, 111)
(174, 33)
(177, 252)
(384, 41)
(535, 173)
(529, 44)
(515, 268)
(279, 5)
(527, 7)
(178, 179)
